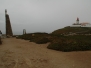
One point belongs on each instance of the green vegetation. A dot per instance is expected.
(39, 38)
(78, 30)
(72, 43)
(61, 39)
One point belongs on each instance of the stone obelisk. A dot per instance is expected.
(8, 25)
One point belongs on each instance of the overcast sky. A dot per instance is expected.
(43, 15)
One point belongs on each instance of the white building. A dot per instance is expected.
(77, 24)
(85, 24)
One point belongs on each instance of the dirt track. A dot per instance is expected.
(16, 53)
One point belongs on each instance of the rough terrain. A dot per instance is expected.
(17, 53)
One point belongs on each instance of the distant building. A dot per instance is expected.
(77, 24)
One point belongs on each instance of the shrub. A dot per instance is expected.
(55, 46)
(42, 40)
(72, 46)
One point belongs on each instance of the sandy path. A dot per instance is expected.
(17, 53)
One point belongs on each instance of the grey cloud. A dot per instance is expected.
(43, 15)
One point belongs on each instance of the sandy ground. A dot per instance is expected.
(17, 53)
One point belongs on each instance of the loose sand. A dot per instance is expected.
(17, 53)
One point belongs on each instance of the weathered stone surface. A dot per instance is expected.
(8, 25)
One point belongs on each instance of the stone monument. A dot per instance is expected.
(8, 25)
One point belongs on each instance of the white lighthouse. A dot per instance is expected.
(83, 24)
